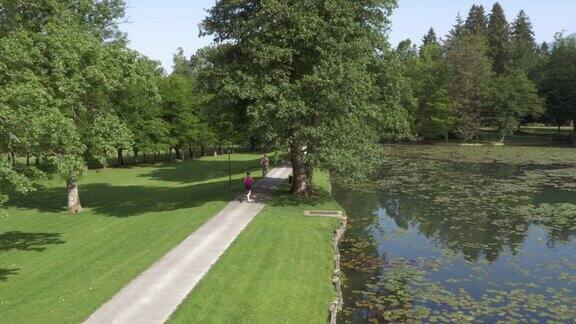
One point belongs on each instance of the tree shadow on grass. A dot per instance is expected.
(285, 199)
(126, 201)
(22, 241)
(4, 273)
(199, 170)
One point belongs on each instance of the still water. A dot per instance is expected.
(462, 236)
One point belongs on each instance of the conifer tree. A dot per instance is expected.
(477, 22)
(524, 49)
(457, 29)
(430, 38)
(499, 39)
(470, 72)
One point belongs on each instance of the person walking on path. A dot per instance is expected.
(265, 164)
(248, 183)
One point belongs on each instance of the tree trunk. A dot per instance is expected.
(574, 125)
(203, 153)
(302, 173)
(120, 158)
(13, 158)
(252, 143)
(215, 151)
(191, 152)
(73, 196)
(135, 156)
(503, 136)
(558, 131)
(27, 160)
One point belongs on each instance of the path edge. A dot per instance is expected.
(338, 302)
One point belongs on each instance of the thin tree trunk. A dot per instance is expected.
(252, 144)
(179, 154)
(215, 151)
(27, 160)
(203, 153)
(135, 156)
(120, 158)
(191, 152)
(73, 196)
(302, 173)
(13, 159)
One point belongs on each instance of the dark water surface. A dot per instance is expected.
(462, 236)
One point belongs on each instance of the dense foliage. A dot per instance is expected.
(488, 72)
(315, 79)
(72, 94)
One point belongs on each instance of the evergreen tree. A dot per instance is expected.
(430, 38)
(471, 72)
(559, 82)
(499, 39)
(524, 51)
(477, 22)
(430, 77)
(544, 48)
(457, 29)
(441, 119)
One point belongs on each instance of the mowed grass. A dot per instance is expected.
(277, 271)
(527, 135)
(59, 268)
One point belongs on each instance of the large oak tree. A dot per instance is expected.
(301, 72)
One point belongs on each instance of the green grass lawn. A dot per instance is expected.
(58, 268)
(527, 135)
(277, 271)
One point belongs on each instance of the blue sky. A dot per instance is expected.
(156, 28)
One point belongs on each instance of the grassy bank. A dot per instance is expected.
(278, 270)
(58, 268)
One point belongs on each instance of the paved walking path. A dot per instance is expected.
(155, 294)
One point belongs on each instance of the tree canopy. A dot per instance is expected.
(305, 79)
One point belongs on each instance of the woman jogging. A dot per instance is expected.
(248, 182)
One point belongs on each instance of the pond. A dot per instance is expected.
(462, 234)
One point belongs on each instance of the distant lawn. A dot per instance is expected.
(525, 138)
(546, 130)
(59, 268)
(277, 271)
(527, 135)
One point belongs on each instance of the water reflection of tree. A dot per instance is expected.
(360, 260)
(466, 207)
(474, 234)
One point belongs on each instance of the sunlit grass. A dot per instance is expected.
(58, 268)
(277, 271)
